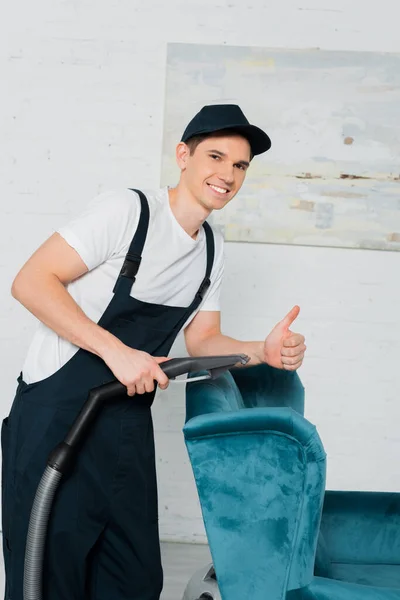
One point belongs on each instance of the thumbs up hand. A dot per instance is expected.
(284, 349)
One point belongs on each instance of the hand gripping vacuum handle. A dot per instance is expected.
(63, 454)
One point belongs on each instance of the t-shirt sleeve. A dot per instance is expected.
(104, 228)
(212, 299)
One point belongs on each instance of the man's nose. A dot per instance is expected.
(227, 174)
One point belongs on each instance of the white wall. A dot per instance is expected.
(83, 112)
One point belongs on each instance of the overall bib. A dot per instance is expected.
(103, 541)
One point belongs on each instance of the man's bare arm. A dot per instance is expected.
(41, 287)
(281, 349)
(203, 337)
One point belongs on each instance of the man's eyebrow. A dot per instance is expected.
(217, 152)
(239, 162)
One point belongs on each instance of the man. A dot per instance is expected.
(112, 289)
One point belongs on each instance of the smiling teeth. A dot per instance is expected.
(218, 189)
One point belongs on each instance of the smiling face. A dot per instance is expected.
(213, 170)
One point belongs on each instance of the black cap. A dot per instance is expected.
(218, 117)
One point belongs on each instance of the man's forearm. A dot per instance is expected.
(222, 344)
(48, 300)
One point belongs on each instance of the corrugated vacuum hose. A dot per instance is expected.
(36, 540)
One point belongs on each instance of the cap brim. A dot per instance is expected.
(258, 139)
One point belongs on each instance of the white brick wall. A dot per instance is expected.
(83, 111)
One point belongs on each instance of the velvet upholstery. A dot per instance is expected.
(362, 532)
(265, 386)
(259, 468)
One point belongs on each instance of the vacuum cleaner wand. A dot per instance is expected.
(61, 458)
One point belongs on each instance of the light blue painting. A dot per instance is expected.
(332, 176)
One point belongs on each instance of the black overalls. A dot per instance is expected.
(103, 533)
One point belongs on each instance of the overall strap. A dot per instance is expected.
(134, 255)
(206, 282)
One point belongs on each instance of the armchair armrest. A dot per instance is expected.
(362, 527)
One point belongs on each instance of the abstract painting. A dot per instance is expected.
(332, 176)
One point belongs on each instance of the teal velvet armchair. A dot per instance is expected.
(273, 532)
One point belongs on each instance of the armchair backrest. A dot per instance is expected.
(248, 387)
(263, 385)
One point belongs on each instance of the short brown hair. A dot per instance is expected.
(194, 141)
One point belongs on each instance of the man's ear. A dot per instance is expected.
(182, 155)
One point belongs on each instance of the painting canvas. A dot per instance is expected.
(332, 176)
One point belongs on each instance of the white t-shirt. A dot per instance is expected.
(172, 268)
